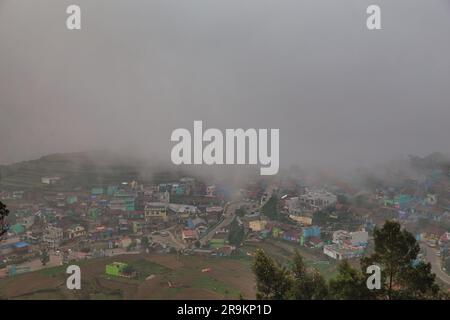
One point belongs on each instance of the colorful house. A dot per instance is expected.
(277, 232)
(124, 204)
(293, 236)
(71, 199)
(17, 229)
(111, 190)
(309, 232)
(257, 225)
(116, 269)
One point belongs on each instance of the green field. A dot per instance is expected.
(175, 277)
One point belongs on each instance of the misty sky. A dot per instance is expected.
(340, 94)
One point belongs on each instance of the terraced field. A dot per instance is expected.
(159, 277)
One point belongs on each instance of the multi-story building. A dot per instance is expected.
(52, 236)
(75, 232)
(155, 211)
(317, 199)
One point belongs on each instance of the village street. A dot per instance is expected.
(435, 261)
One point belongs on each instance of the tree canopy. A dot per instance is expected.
(396, 250)
(3, 214)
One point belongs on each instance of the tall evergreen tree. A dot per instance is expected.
(306, 285)
(395, 252)
(349, 284)
(272, 281)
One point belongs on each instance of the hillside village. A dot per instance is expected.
(51, 225)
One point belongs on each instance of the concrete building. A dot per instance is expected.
(339, 252)
(183, 210)
(52, 236)
(50, 180)
(189, 235)
(257, 225)
(75, 231)
(156, 211)
(357, 238)
(317, 199)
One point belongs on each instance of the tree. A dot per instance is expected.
(272, 282)
(276, 282)
(144, 242)
(237, 234)
(349, 284)
(395, 252)
(45, 258)
(240, 212)
(270, 208)
(3, 214)
(419, 282)
(128, 270)
(306, 285)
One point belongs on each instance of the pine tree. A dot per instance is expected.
(395, 252)
(306, 285)
(349, 284)
(272, 281)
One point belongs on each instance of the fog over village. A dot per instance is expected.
(88, 175)
(341, 96)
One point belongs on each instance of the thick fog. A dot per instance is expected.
(340, 94)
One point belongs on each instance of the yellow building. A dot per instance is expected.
(307, 221)
(257, 225)
(155, 210)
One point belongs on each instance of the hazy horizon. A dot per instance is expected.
(342, 96)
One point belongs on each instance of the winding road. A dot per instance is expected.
(435, 261)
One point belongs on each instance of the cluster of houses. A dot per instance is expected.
(114, 216)
(302, 235)
(413, 199)
(118, 216)
(347, 245)
(302, 207)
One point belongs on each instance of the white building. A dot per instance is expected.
(50, 180)
(357, 238)
(182, 210)
(317, 199)
(340, 252)
(53, 236)
(292, 205)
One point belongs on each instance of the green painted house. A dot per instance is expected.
(17, 229)
(111, 190)
(71, 199)
(116, 268)
(97, 191)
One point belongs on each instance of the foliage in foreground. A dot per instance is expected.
(402, 276)
(3, 214)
